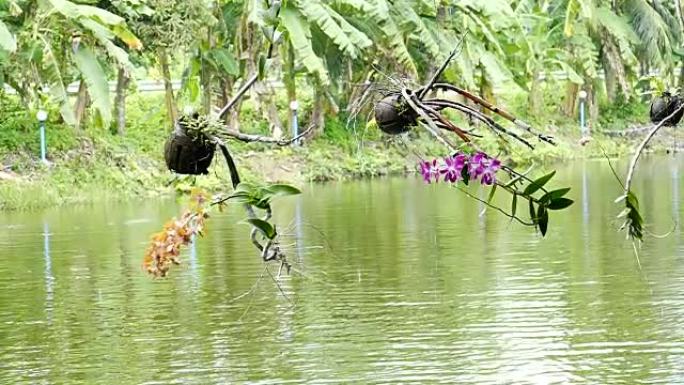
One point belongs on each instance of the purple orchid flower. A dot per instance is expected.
(489, 174)
(453, 165)
(429, 170)
(477, 165)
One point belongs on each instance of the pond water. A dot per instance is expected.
(396, 282)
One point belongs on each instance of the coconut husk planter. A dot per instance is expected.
(188, 152)
(394, 116)
(665, 105)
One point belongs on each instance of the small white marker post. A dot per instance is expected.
(42, 116)
(582, 97)
(294, 106)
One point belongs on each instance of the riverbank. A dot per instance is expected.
(107, 170)
(97, 165)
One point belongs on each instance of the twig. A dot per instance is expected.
(421, 93)
(255, 77)
(640, 149)
(441, 119)
(491, 123)
(495, 207)
(256, 284)
(249, 138)
(506, 115)
(280, 288)
(430, 124)
(610, 165)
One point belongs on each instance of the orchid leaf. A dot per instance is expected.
(560, 204)
(538, 184)
(266, 228)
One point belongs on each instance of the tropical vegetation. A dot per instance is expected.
(340, 50)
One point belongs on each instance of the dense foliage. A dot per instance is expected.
(334, 48)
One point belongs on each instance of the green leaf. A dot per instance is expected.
(543, 219)
(263, 203)
(538, 184)
(225, 60)
(335, 27)
(283, 190)
(533, 212)
(240, 197)
(7, 40)
(514, 204)
(632, 201)
(266, 228)
(465, 175)
(262, 67)
(555, 194)
(491, 194)
(560, 203)
(299, 34)
(96, 80)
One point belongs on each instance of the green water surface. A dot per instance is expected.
(395, 282)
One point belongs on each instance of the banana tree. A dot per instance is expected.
(168, 28)
(53, 40)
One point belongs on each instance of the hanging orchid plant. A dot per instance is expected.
(402, 109)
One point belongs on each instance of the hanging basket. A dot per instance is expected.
(664, 106)
(188, 155)
(393, 116)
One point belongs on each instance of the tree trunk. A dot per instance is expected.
(171, 108)
(82, 101)
(592, 102)
(616, 78)
(536, 96)
(570, 104)
(266, 102)
(122, 82)
(680, 17)
(206, 77)
(290, 81)
(318, 111)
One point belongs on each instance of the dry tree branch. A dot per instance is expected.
(489, 122)
(421, 93)
(429, 123)
(642, 146)
(503, 113)
(249, 138)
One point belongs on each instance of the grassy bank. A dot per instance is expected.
(96, 165)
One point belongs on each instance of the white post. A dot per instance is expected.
(42, 116)
(583, 97)
(294, 106)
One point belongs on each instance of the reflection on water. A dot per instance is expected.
(396, 282)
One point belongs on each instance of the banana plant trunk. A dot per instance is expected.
(290, 80)
(171, 108)
(536, 97)
(80, 109)
(617, 85)
(680, 18)
(570, 103)
(122, 82)
(318, 111)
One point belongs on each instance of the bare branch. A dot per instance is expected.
(249, 138)
(421, 93)
(491, 123)
(640, 149)
(504, 114)
(429, 123)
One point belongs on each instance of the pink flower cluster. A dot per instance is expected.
(478, 166)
